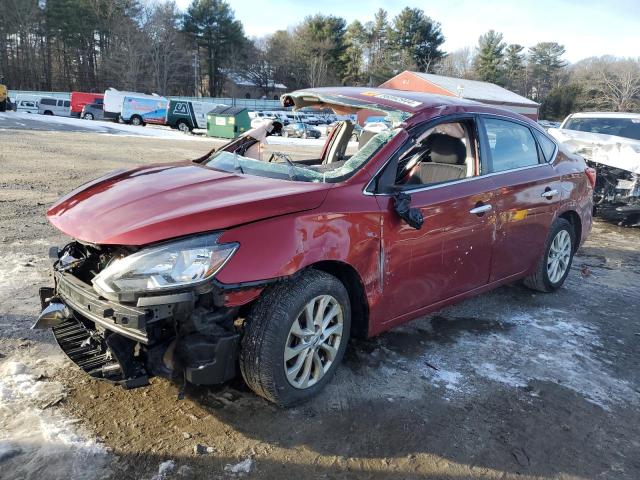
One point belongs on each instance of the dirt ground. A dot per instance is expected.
(510, 384)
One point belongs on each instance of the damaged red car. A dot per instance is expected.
(255, 260)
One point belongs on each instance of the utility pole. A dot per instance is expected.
(196, 59)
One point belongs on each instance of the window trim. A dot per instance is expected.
(548, 137)
(370, 187)
(414, 132)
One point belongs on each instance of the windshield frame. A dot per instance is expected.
(232, 162)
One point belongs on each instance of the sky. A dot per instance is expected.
(585, 28)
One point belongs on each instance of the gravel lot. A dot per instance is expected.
(510, 384)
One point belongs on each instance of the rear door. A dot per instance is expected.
(527, 193)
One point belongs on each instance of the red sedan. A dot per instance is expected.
(272, 263)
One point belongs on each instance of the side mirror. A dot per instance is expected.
(411, 215)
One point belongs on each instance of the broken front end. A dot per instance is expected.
(124, 315)
(616, 195)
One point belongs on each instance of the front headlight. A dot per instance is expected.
(167, 266)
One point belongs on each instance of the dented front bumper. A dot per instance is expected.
(168, 336)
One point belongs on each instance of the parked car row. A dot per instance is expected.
(287, 117)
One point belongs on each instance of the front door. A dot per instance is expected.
(451, 254)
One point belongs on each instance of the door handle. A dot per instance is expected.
(480, 210)
(549, 193)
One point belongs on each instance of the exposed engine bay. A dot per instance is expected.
(186, 336)
(617, 163)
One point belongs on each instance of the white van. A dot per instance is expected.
(113, 100)
(54, 106)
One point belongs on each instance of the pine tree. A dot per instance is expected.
(214, 27)
(416, 39)
(489, 60)
(515, 68)
(545, 63)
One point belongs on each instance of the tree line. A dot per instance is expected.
(90, 45)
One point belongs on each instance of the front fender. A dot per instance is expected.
(282, 246)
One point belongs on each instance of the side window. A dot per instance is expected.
(67, 103)
(47, 101)
(511, 145)
(547, 145)
(441, 154)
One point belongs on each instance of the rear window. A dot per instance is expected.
(620, 127)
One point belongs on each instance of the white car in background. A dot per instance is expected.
(610, 143)
(26, 106)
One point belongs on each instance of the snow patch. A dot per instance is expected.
(107, 128)
(16, 270)
(166, 468)
(244, 466)
(36, 439)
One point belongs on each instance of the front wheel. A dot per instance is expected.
(554, 265)
(295, 337)
(88, 116)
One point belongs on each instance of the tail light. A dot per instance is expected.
(591, 175)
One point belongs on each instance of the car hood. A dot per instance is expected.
(610, 150)
(159, 202)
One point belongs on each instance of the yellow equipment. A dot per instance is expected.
(3, 98)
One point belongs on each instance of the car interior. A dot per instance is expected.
(336, 159)
(442, 154)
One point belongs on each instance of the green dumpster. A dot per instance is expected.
(228, 122)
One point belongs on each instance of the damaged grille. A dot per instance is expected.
(86, 261)
(92, 354)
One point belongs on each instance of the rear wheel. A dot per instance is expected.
(88, 116)
(137, 120)
(295, 337)
(3, 106)
(554, 265)
(183, 127)
(48, 112)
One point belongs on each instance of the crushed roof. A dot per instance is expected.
(475, 89)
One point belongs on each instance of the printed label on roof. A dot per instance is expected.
(393, 98)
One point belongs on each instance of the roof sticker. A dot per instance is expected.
(393, 98)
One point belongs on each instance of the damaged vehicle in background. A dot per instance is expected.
(610, 142)
(270, 263)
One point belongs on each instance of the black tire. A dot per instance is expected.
(183, 126)
(267, 329)
(136, 120)
(540, 280)
(3, 106)
(88, 116)
(48, 112)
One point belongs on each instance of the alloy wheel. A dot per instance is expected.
(313, 341)
(559, 256)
